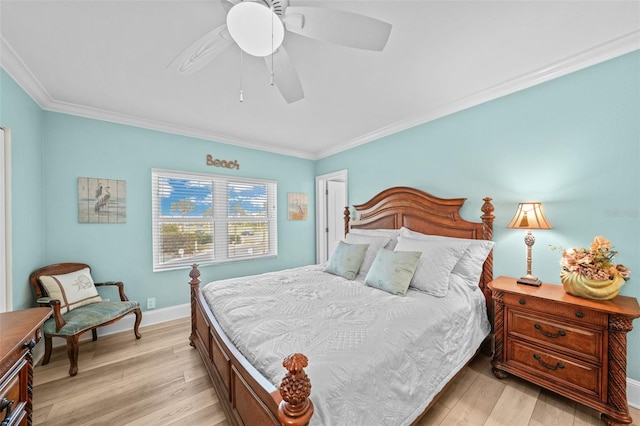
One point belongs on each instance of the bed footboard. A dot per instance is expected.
(245, 395)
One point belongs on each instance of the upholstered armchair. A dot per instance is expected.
(77, 307)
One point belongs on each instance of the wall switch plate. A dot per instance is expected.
(151, 303)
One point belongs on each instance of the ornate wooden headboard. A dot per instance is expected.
(419, 211)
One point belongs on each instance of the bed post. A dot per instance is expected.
(487, 234)
(195, 287)
(347, 217)
(487, 221)
(296, 408)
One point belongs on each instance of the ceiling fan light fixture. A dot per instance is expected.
(255, 28)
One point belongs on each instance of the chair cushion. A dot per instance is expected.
(89, 316)
(73, 290)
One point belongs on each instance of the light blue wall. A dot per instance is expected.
(572, 143)
(24, 117)
(79, 147)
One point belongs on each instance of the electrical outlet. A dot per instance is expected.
(151, 303)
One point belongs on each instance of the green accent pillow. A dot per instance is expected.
(392, 271)
(346, 260)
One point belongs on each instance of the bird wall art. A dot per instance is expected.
(101, 200)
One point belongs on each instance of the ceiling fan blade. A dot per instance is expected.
(285, 75)
(202, 51)
(228, 4)
(337, 26)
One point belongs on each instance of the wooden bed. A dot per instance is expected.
(245, 395)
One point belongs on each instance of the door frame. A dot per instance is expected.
(6, 293)
(321, 208)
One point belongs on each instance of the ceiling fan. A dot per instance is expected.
(258, 28)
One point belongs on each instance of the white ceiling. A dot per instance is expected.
(106, 60)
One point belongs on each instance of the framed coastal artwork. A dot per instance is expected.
(297, 206)
(102, 200)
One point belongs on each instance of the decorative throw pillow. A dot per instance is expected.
(73, 290)
(346, 260)
(392, 271)
(375, 244)
(436, 263)
(390, 233)
(469, 267)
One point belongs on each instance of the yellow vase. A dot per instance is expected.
(580, 285)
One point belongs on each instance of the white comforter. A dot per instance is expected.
(374, 358)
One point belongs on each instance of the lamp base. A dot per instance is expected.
(529, 280)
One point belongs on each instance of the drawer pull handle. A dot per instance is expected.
(522, 301)
(29, 345)
(561, 333)
(579, 314)
(545, 365)
(5, 404)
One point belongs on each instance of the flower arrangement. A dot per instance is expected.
(595, 263)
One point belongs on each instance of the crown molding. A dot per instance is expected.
(603, 52)
(119, 118)
(16, 68)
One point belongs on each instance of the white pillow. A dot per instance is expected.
(469, 267)
(73, 290)
(435, 265)
(391, 233)
(375, 244)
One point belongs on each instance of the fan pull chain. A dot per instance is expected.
(272, 73)
(241, 91)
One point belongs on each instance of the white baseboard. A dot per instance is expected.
(633, 393)
(158, 316)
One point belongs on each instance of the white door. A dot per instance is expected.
(336, 195)
(331, 199)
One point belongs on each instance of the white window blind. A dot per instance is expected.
(199, 218)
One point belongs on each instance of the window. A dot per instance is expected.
(204, 219)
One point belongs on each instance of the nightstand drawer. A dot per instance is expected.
(565, 372)
(564, 337)
(572, 312)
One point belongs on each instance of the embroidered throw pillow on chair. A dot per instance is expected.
(74, 289)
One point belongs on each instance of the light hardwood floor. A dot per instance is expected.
(160, 380)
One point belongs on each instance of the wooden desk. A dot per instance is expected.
(19, 333)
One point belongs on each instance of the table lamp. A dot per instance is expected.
(529, 216)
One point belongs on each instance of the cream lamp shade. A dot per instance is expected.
(529, 216)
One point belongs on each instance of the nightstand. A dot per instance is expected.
(573, 346)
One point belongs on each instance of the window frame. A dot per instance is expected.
(219, 220)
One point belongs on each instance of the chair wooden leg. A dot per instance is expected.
(72, 352)
(94, 333)
(47, 350)
(138, 313)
